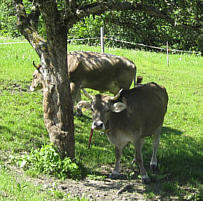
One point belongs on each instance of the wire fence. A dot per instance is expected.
(166, 49)
(111, 38)
(11, 43)
(152, 47)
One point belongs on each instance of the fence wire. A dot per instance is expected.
(120, 41)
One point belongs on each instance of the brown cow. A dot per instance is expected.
(130, 117)
(102, 72)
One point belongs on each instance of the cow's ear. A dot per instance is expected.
(118, 107)
(84, 104)
(37, 67)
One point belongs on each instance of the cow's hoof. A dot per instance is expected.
(114, 175)
(145, 180)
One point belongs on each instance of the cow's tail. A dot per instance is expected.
(139, 79)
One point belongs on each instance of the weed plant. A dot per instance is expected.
(48, 161)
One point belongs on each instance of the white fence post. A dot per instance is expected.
(167, 50)
(102, 39)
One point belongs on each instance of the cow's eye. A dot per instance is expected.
(35, 76)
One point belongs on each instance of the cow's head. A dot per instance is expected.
(102, 106)
(37, 78)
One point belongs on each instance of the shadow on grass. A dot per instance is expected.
(171, 131)
(22, 139)
(180, 161)
(15, 85)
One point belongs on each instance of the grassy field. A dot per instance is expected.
(181, 147)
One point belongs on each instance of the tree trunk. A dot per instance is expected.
(57, 101)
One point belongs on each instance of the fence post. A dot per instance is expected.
(167, 51)
(102, 39)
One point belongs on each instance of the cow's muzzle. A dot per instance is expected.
(32, 88)
(99, 125)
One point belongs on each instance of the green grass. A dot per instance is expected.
(11, 188)
(181, 147)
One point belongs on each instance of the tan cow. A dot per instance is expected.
(130, 117)
(102, 72)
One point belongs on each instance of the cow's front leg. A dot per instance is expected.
(139, 160)
(116, 172)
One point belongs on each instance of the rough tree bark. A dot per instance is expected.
(59, 17)
(57, 101)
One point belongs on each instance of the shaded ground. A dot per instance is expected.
(103, 190)
(91, 189)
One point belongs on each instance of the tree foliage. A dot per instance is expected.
(7, 19)
(140, 27)
(182, 30)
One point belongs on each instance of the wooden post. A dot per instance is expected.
(167, 51)
(102, 39)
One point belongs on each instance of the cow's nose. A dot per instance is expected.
(98, 125)
(32, 88)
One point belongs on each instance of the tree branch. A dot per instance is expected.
(27, 29)
(154, 12)
(34, 16)
(94, 8)
(115, 5)
(54, 18)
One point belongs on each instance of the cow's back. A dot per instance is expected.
(146, 107)
(100, 71)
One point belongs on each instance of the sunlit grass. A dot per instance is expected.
(14, 187)
(181, 146)
(11, 188)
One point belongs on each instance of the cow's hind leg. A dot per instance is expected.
(76, 97)
(139, 160)
(77, 100)
(156, 137)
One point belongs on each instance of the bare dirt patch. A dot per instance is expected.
(106, 189)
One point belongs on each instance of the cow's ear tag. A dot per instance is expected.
(118, 107)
